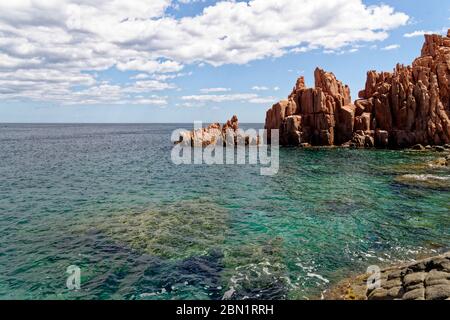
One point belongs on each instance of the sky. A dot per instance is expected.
(179, 61)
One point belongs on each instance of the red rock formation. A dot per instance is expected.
(232, 124)
(408, 106)
(322, 115)
(229, 134)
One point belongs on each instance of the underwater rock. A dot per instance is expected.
(256, 272)
(410, 105)
(196, 277)
(425, 181)
(174, 231)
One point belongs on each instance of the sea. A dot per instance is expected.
(107, 201)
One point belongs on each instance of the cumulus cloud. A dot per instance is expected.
(61, 43)
(239, 32)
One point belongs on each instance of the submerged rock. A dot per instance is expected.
(173, 231)
(256, 272)
(425, 181)
(406, 107)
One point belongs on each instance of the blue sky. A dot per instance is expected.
(181, 61)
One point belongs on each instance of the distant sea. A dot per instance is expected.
(107, 199)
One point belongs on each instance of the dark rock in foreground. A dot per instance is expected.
(427, 279)
(398, 109)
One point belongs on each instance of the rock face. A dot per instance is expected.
(427, 279)
(322, 115)
(408, 106)
(228, 134)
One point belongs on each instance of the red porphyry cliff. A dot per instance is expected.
(408, 106)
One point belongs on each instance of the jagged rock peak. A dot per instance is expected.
(407, 106)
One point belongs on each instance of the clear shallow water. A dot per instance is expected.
(108, 199)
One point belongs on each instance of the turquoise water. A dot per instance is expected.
(107, 199)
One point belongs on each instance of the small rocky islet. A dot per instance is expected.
(228, 134)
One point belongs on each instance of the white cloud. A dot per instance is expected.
(190, 1)
(79, 37)
(140, 76)
(419, 33)
(158, 101)
(239, 97)
(301, 49)
(221, 97)
(391, 47)
(58, 89)
(189, 105)
(239, 32)
(150, 66)
(262, 100)
(149, 85)
(211, 90)
(260, 88)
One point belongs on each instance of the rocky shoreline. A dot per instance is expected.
(398, 109)
(425, 279)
